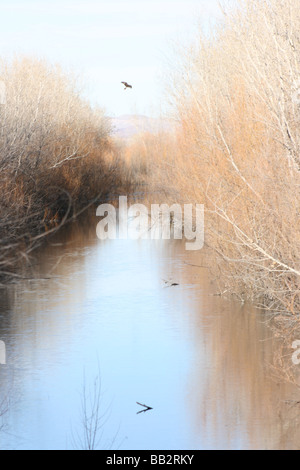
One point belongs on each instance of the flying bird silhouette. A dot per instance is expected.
(126, 85)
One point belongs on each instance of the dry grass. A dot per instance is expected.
(237, 150)
(56, 154)
(151, 159)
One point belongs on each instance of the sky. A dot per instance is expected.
(105, 42)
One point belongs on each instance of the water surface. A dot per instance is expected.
(102, 309)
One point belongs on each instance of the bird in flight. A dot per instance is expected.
(126, 85)
(170, 283)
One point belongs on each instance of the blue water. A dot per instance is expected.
(106, 315)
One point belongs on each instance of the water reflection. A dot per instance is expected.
(202, 363)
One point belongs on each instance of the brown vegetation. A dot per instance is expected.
(237, 149)
(56, 155)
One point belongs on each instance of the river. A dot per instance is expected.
(97, 317)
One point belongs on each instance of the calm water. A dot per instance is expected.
(200, 361)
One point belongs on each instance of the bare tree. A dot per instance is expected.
(236, 102)
(93, 416)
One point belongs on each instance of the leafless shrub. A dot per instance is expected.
(237, 108)
(56, 154)
(93, 417)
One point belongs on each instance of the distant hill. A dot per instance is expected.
(127, 126)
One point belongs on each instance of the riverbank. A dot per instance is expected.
(56, 156)
(236, 110)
